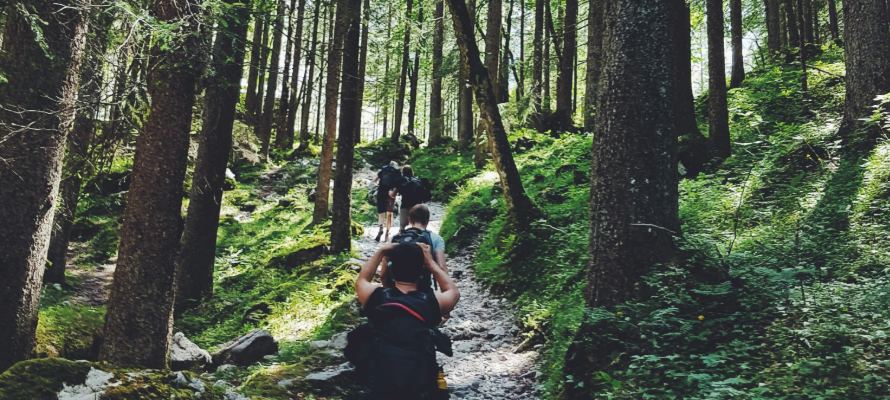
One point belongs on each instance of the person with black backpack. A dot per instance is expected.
(414, 191)
(395, 352)
(386, 180)
(418, 219)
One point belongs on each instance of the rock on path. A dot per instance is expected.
(482, 328)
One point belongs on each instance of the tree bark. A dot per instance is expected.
(791, 23)
(41, 88)
(269, 103)
(538, 63)
(305, 136)
(867, 49)
(465, 118)
(519, 206)
(341, 220)
(566, 65)
(284, 136)
(693, 150)
(294, 101)
(332, 94)
(362, 69)
(806, 11)
(832, 20)
(254, 74)
(773, 43)
(718, 116)
(548, 37)
(415, 72)
(503, 88)
(803, 60)
(194, 269)
(493, 44)
(403, 78)
(437, 122)
(594, 61)
(738, 60)
(520, 83)
(384, 94)
(138, 324)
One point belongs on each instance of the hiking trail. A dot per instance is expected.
(486, 364)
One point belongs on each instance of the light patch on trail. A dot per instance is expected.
(93, 388)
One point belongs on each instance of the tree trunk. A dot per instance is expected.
(403, 77)
(519, 206)
(437, 122)
(305, 136)
(718, 118)
(548, 33)
(384, 93)
(269, 103)
(194, 269)
(566, 64)
(520, 84)
(138, 324)
(465, 118)
(806, 11)
(803, 60)
(791, 23)
(254, 74)
(538, 63)
(294, 101)
(773, 43)
(415, 72)
(738, 60)
(332, 94)
(503, 67)
(341, 220)
(594, 61)
(493, 44)
(284, 136)
(693, 150)
(867, 49)
(264, 56)
(832, 20)
(362, 69)
(34, 122)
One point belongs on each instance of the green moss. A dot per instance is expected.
(41, 379)
(69, 331)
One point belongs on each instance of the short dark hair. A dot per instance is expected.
(406, 262)
(419, 214)
(407, 171)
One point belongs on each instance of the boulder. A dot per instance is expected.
(247, 349)
(184, 354)
(339, 341)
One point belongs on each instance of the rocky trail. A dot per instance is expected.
(490, 361)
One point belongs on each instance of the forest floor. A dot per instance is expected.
(490, 361)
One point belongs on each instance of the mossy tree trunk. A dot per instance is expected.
(718, 115)
(341, 219)
(519, 206)
(194, 269)
(138, 324)
(41, 65)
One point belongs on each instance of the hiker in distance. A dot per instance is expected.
(414, 191)
(395, 354)
(386, 180)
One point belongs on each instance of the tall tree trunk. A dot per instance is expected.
(341, 220)
(773, 31)
(832, 20)
(566, 65)
(538, 62)
(332, 94)
(791, 23)
(305, 136)
(504, 65)
(693, 150)
(520, 84)
(594, 61)
(415, 72)
(519, 206)
(33, 124)
(548, 37)
(284, 136)
(493, 44)
(801, 4)
(362, 69)
(194, 269)
(403, 78)
(295, 91)
(437, 123)
(465, 118)
(718, 116)
(384, 93)
(738, 60)
(867, 49)
(261, 81)
(138, 324)
(254, 74)
(76, 165)
(269, 103)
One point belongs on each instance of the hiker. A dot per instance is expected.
(386, 179)
(418, 219)
(395, 354)
(414, 191)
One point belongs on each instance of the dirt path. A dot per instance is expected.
(482, 328)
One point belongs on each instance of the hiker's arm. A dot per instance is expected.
(449, 294)
(393, 192)
(440, 258)
(363, 286)
(383, 271)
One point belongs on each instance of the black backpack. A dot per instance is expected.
(389, 176)
(415, 235)
(417, 190)
(395, 352)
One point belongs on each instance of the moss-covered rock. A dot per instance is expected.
(69, 331)
(41, 379)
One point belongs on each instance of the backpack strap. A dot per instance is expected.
(406, 308)
(429, 236)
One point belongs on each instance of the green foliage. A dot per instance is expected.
(447, 168)
(69, 331)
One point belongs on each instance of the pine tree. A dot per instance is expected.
(271, 91)
(594, 61)
(566, 67)
(718, 115)
(437, 123)
(738, 60)
(403, 78)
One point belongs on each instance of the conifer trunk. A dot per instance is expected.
(269, 103)
(538, 62)
(415, 72)
(254, 73)
(718, 116)
(493, 44)
(465, 118)
(594, 61)
(295, 91)
(305, 136)
(403, 78)
(791, 23)
(566, 67)
(138, 324)
(738, 60)
(194, 269)
(773, 43)
(362, 69)
(284, 136)
(832, 20)
(437, 122)
(42, 78)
